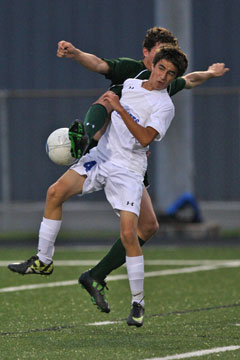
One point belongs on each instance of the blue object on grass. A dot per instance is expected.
(186, 199)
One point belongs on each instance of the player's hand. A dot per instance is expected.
(112, 99)
(79, 139)
(217, 69)
(66, 50)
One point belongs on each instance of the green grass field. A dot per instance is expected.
(192, 305)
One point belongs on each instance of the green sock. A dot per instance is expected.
(113, 260)
(95, 119)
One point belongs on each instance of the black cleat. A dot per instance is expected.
(96, 291)
(79, 139)
(136, 315)
(32, 266)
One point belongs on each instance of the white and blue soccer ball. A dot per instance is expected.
(58, 147)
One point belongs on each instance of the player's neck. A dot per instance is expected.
(148, 64)
(147, 85)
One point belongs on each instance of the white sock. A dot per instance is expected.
(47, 235)
(135, 269)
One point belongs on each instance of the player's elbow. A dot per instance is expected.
(189, 84)
(148, 134)
(145, 141)
(101, 67)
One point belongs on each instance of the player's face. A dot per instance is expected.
(163, 73)
(149, 55)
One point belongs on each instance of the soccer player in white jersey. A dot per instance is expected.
(117, 165)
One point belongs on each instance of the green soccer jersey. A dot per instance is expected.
(122, 69)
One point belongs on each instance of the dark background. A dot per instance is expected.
(29, 33)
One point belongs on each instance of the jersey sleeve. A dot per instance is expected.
(176, 85)
(161, 119)
(121, 69)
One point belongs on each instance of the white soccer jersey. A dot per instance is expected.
(148, 108)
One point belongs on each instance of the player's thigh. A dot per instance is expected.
(147, 215)
(69, 184)
(128, 225)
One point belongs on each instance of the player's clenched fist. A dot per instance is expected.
(112, 99)
(66, 49)
(217, 69)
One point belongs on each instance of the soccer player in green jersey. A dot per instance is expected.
(118, 70)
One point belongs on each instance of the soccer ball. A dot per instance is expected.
(58, 147)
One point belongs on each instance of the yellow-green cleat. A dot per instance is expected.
(32, 266)
(136, 315)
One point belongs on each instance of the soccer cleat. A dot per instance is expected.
(79, 139)
(32, 266)
(136, 315)
(96, 291)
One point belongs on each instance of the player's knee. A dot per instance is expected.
(148, 229)
(128, 237)
(154, 227)
(55, 193)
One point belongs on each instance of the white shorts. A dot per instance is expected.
(123, 188)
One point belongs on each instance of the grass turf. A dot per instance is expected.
(184, 312)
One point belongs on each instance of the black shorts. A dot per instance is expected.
(91, 145)
(145, 181)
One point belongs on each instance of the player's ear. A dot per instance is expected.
(145, 52)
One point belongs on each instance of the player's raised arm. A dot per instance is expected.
(199, 77)
(89, 61)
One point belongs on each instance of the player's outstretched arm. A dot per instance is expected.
(89, 61)
(199, 77)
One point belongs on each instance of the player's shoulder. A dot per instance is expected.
(176, 85)
(134, 83)
(124, 61)
(168, 103)
(125, 58)
(162, 99)
(130, 60)
(165, 95)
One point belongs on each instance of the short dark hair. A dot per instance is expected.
(173, 54)
(158, 34)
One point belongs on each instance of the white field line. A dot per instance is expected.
(38, 286)
(198, 353)
(146, 262)
(100, 323)
(57, 262)
(122, 277)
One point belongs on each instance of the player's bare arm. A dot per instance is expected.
(199, 77)
(89, 61)
(144, 135)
